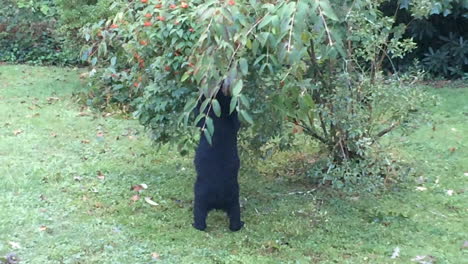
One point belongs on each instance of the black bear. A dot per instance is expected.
(217, 166)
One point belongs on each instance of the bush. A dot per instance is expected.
(72, 15)
(296, 65)
(439, 29)
(45, 32)
(28, 35)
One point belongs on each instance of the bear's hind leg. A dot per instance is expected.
(199, 215)
(235, 223)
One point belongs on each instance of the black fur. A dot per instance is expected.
(217, 166)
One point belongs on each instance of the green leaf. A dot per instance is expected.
(216, 107)
(263, 37)
(208, 136)
(102, 49)
(243, 66)
(327, 10)
(85, 55)
(246, 117)
(245, 101)
(237, 88)
(204, 105)
(259, 59)
(184, 77)
(209, 125)
(248, 44)
(113, 61)
(233, 104)
(199, 117)
(265, 22)
(308, 100)
(190, 105)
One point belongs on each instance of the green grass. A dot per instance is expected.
(57, 209)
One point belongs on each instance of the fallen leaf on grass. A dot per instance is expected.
(421, 188)
(51, 100)
(420, 180)
(17, 132)
(85, 141)
(396, 253)
(53, 135)
(84, 75)
(14, 245)
(424, 259)
(84, 114)
(465, 245)
(148, 200)
(135, 198)
(43, 228)
(100, 175)
(139, 187)
(452, 149)
(77, 178)
(155, 256)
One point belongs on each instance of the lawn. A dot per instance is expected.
(67, 174)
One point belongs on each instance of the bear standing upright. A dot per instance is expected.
(217, 166)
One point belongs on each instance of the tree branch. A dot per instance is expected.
(388, 129)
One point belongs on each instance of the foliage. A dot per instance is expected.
(439, 29)
(44, 32)
(72, 15)
(28, 33)
(315, 66)
(450, 59)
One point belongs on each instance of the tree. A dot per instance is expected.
(316, 64)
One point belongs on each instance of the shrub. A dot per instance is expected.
(28, 34)
(299, 64)
(72, 15)
(439, 29)
(44, 32)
